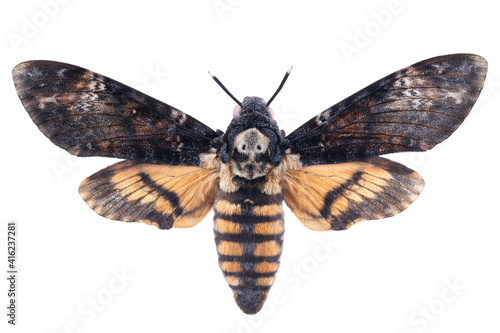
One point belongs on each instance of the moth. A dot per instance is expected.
(176, 169)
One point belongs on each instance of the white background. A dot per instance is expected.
(379, 276)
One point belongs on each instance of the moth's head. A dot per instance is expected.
(252, 104)
(252, 143)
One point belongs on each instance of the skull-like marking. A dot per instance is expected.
(250, 157)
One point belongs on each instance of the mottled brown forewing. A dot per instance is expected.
(410, 110)
(336, 196)
(89, 114)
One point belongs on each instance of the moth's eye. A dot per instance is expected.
(271, 111)
(236, 111)
(259, 147)
(244, 147)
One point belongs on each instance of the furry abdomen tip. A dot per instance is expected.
(250, 301)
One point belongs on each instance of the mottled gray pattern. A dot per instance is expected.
(89, 114)
(410, 110)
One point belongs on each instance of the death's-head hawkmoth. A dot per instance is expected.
(176, 169)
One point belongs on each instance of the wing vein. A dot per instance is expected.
(347, 180)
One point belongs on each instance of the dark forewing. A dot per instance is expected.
(88, 114)
(410, 110)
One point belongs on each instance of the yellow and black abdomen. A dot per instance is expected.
(249, 237)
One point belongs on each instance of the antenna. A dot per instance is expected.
(224, 88)
(281, 86)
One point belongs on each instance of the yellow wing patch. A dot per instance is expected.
(336, 196)
(162, 195)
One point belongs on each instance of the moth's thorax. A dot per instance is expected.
(250, 158)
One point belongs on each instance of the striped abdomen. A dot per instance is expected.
(249, 237)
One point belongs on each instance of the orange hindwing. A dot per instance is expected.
(162, 195)
(335, 196)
